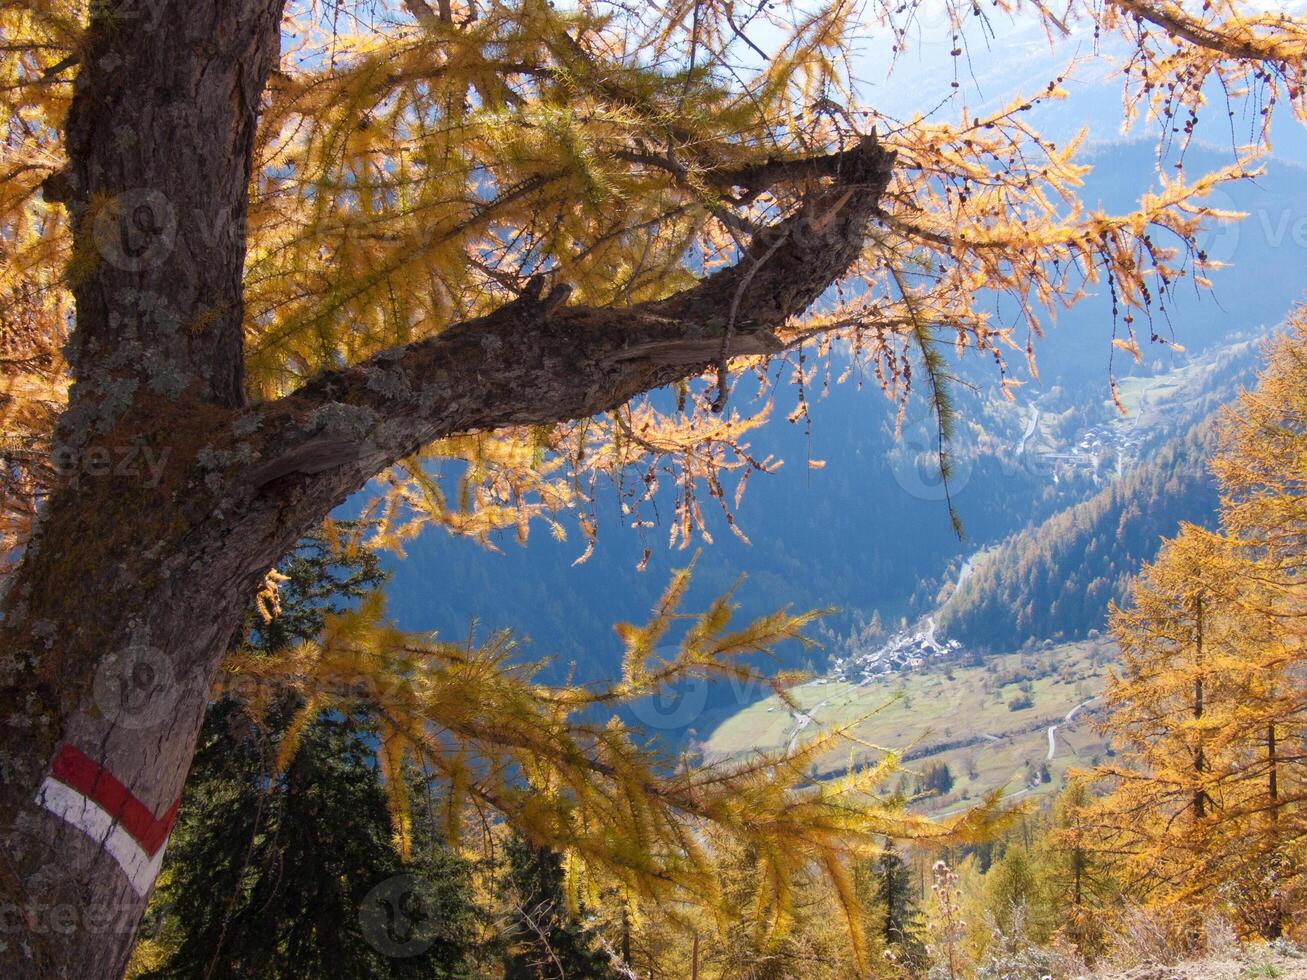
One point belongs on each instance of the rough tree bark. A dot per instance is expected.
(179, 496)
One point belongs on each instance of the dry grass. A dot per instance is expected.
(929, 712)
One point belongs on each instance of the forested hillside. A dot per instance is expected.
(1055, 580)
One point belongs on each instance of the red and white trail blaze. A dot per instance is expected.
(94, 801)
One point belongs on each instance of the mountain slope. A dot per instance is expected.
(1055, 580)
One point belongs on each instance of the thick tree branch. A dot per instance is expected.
(1278, 45)
(538, 361)
(757, 177)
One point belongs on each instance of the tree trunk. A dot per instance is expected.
(131, 591)
(1272, 772)
(1200, 758)
(626, 939)
(1078, 868)
(1275, 927)
(179, 497)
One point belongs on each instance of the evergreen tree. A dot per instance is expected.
(807, 937)
(937, 779)
(286, 876)
(1011, 887)
(895, 900)
(1077, 881)
(282, 872)
(545, 941)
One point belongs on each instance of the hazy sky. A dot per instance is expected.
(1017, 56)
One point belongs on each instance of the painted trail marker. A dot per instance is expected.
(93, 800)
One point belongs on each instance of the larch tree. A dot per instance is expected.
(1078, 883)
(1262, 467)
(301, 248)
(1207, 797)
(1170, 710)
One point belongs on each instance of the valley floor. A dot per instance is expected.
(1016, 721)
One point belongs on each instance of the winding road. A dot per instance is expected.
(1052, 729)
(801, 721)
(1030, 430)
